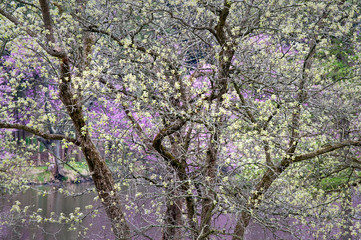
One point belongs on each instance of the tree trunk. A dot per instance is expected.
(346, 207)
(59, 172)
(104, 184)
(264, 184)
(241, 226)
(207, 203)
(54, 153)
(173, 220)
(100, 172)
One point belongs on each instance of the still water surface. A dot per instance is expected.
(99, 226)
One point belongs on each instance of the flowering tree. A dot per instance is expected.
(225, 102)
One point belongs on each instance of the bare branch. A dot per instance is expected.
(39, 133)
(28, 3)
(119, 41)
(47, 20)
(220, 34)
(157, 142)
(52, 52)
(326, 149)
(56, 50)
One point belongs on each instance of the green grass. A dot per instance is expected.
(79, 166)
(332, 183)
(40, 174)
(40, 168)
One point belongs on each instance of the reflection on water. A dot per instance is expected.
(99, 227)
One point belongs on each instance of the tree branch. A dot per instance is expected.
(56, 51)
(29, 4)
(157, 142)
(39, 133)
(11, 18)
(47, 20)
(325, 149)
(220, 34)
(95, 29)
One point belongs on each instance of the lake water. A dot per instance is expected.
(54, 202)
(99, 226)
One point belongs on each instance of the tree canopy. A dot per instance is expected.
(242, 109)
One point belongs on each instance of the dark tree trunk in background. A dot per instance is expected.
(241, 226)
(173, 219)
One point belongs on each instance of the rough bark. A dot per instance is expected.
(207, 203)
(59, 172)
(180, 168)
(101, 174)
(241, 226)
(346, 207)
(173, 220)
